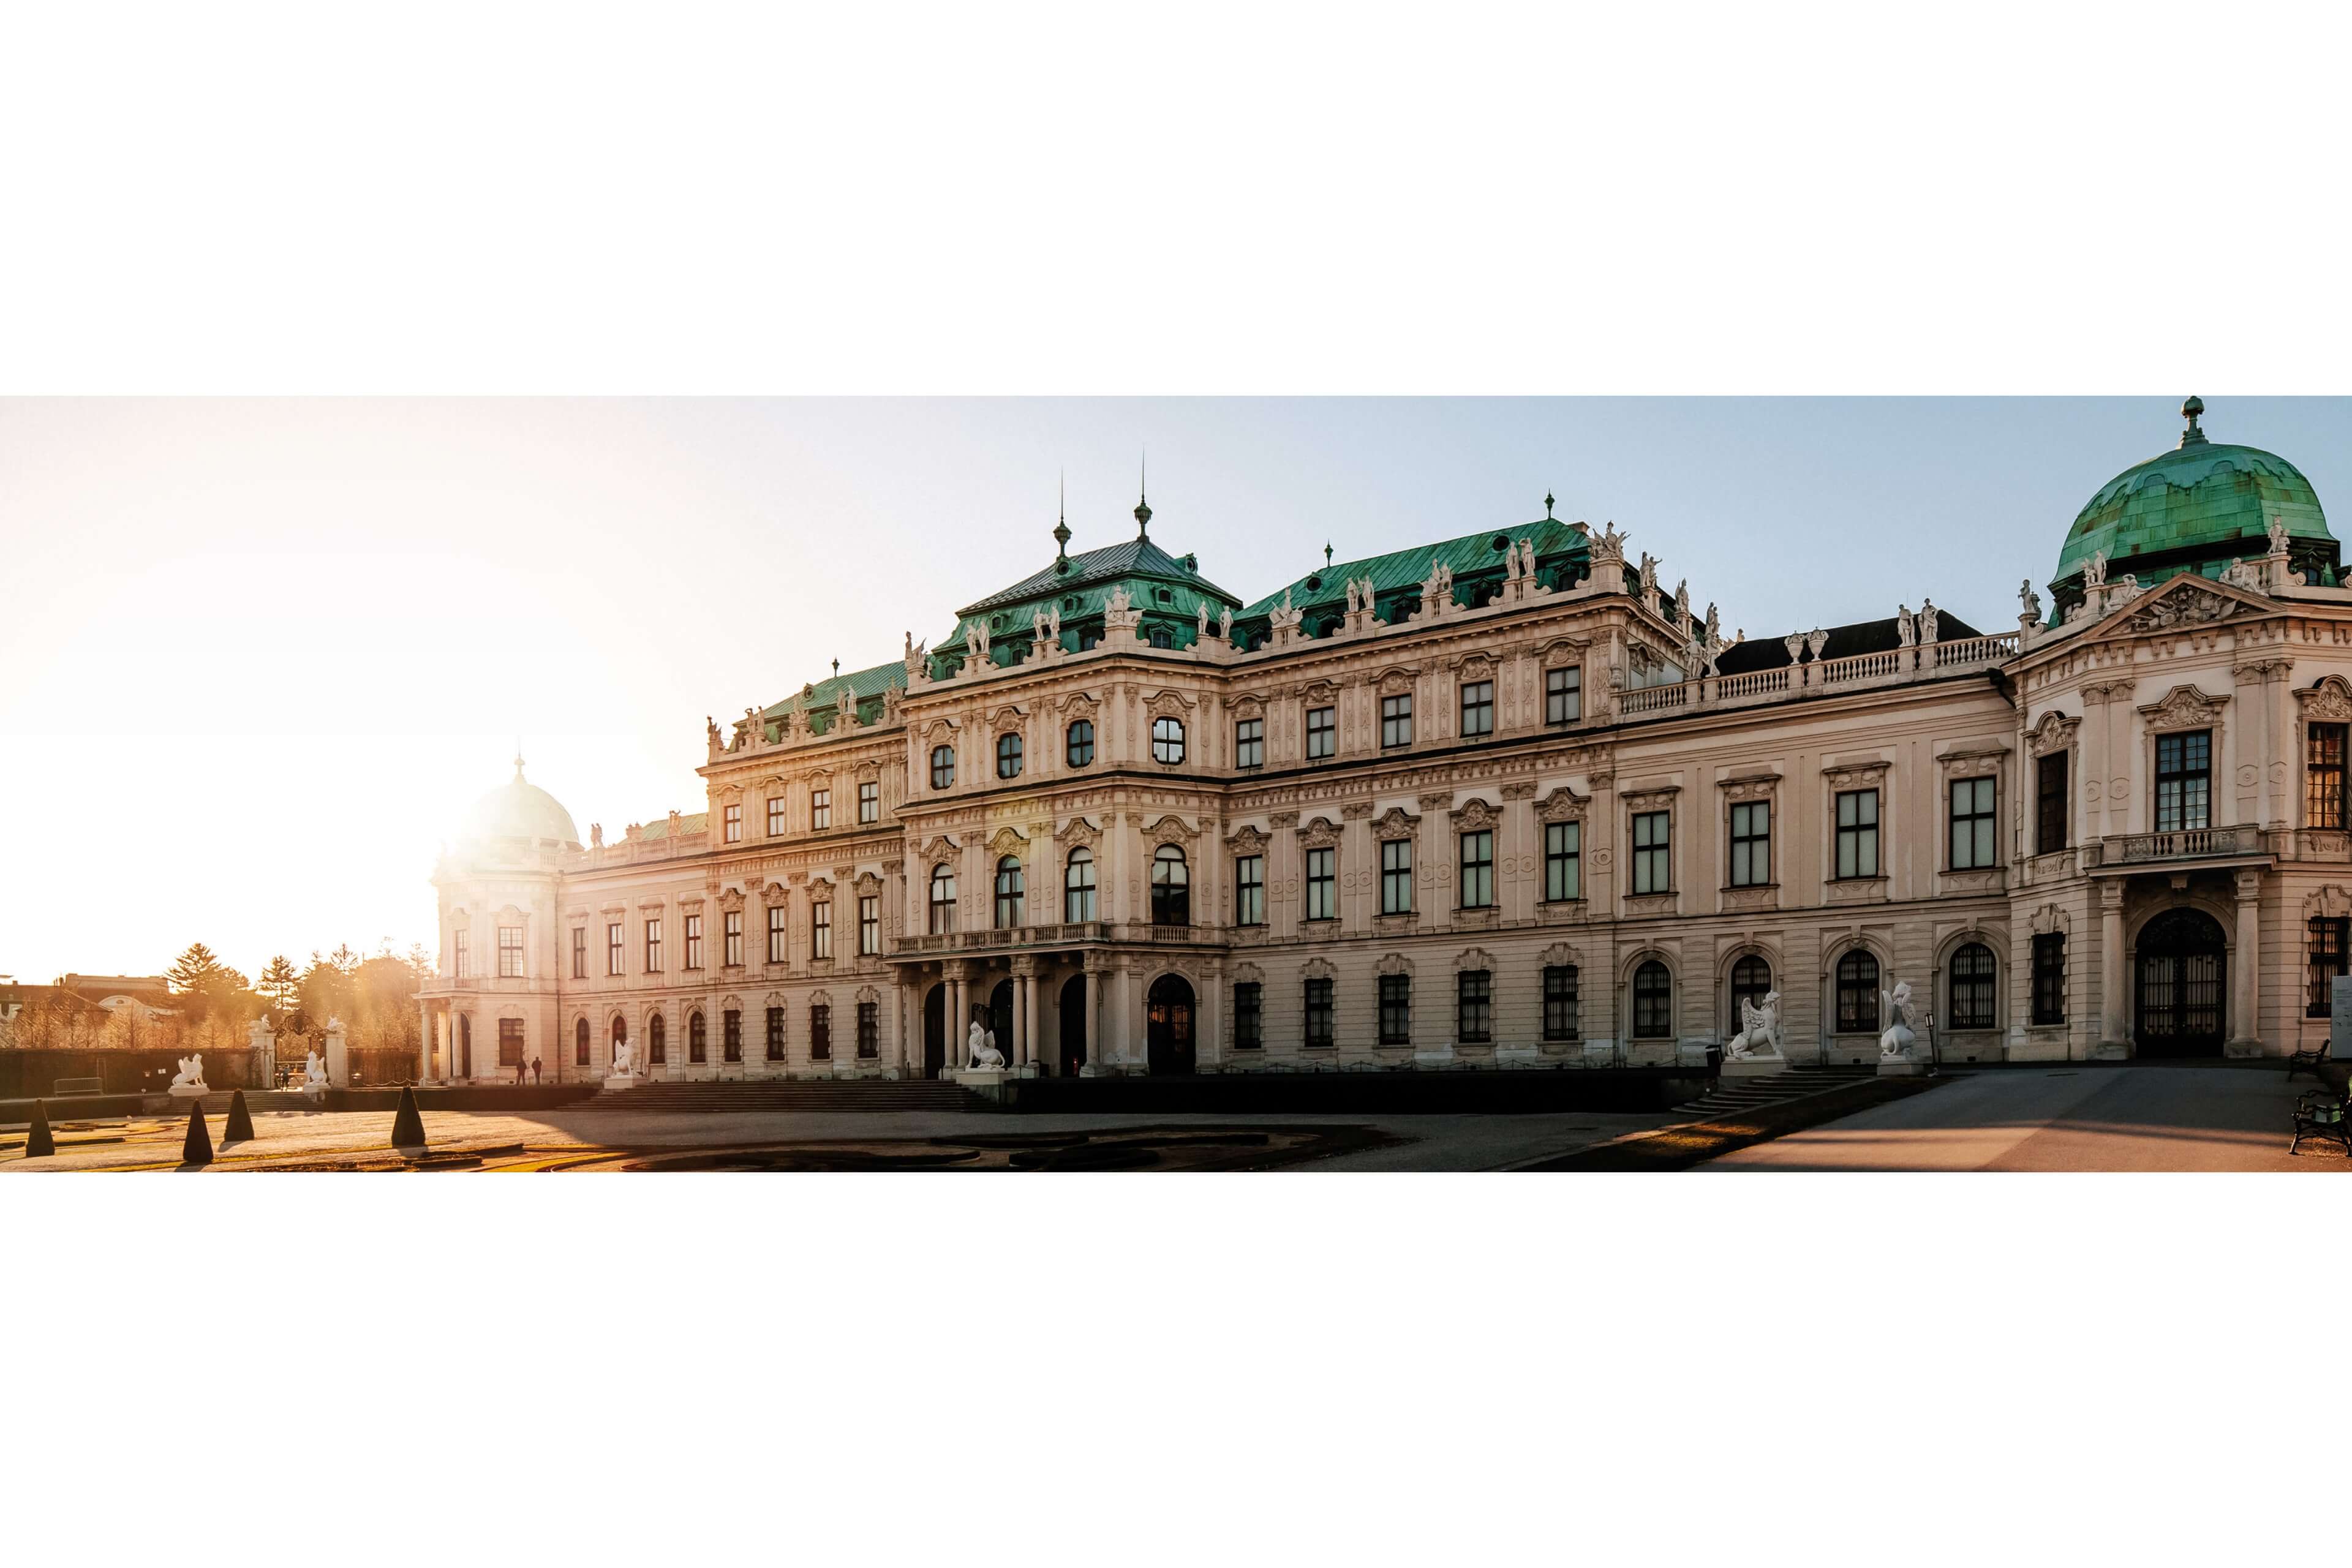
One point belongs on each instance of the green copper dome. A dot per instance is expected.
(2195, 508)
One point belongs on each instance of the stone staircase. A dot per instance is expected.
(790, 1094)
(1732, 1095)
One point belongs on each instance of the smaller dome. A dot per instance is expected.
(518, 809)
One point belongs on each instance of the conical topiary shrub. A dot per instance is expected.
(407, 1125)
(198, 1149)
(240, 1121)
(38, 1144)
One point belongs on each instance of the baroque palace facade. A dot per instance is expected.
(1501, 801)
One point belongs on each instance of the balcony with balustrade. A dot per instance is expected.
(1003, 939)
(2123, 853)
(1888, 667)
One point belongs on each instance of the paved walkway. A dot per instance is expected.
(1459, 1143)
(2159, 1117)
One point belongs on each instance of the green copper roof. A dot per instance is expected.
(821, 698)
(1168, 589)
(2201, 497)
(1469, 556)
(686, 826)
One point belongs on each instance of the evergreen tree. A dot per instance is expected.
(280, 984)
(196, 980)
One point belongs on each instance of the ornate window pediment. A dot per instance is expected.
(732, 898)
(1561, 650)
(1749, 786)
(1659, 799)
(1562, 804)
(2183, 708)
(1476, 667)
(1080, 831)
(1248, 974)
(1396, 964)
(1396, 681)
(2048, 920)
(1248, 705)
(1473, 815)
(1006, 717)
(1170, 829)
(1169, 704)
(868, 770)
(940, 848)
(2053, 732)
(939, 732)
(1318, 969)
(1318, 834)
(1007, 841)
(1972, 763)
(1394, 823)
(1855, 775)
(1246, 841)
(2329, 702)
(1318, 690)
(1473, 958)
(774, 893)
(1560, 955)
(868, 883)
(2330, 900)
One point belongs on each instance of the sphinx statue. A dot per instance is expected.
(314, 1078)
(189, 1081)
(980, 1047)
(1900, 1043)
(1760, 1032)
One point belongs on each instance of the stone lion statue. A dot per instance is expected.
(981, 1047)
(1760, 1032)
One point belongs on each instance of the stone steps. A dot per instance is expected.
(789, 1094)
(1731, 1095)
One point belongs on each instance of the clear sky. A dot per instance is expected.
(257, 656)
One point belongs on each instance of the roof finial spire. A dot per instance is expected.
(2192, 437)
(518, 756)
(1547, 517)
(1143, 504)
(1062, 525)
(1326, 555)
(836, 669)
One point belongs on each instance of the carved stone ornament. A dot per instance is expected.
(2182, 604)
(1168, 705)
(732, 898)
(1318, 969)
(1562, 804)
(1560, 955)
(1658, 799)
(1318, 834)
(1170, 829)
(1279, 820)
(2327, 702)
(1355, 810)
(1007, 716)
(1473, 958)
(1395, 681)
(1395, 823)
(1439, 802)
(1077, 704)
(2183, 708)
(1396, 963)
(1749, 786)
(2049, 920)
(1519, 789)
(1246, 841)
(940, 848)
(1006, 841)
(2054, 732)
(1077, 831)
(2330, 901)
(1975, 763)
(1249, 705)
(1474, 816)
(1855, 775)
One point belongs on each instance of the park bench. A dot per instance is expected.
(2319, 1114)
(2309, 1060)
(59, 1087)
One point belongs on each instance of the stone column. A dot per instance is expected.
(2113, 1042)
(1018, 1049)
(2245, 974)
(423, 1042)
(1090, 1015)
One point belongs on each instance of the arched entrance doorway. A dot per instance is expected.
(1000, 1017)
(1168, 1035)
(2182, 958)
(1073, 1011)
(935, 1031)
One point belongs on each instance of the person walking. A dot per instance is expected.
(534, 1072)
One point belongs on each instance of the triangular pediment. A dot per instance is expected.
(2182, 604)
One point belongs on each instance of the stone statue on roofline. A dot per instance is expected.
(2094, 570)
(1203, 607)
(710, 730)
(1609, 546)
(1038, 621)
(1226, 623)
(1926, 621)
(2278, 536)
(1906, 633)
(2029, 602)
(1355, 597)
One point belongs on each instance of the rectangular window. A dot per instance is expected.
(1249, 890)
(1249, 1013)
(730, 1038)
(775, 816)
(2184, 781)
(1563, 861)
(869, 805)
(694, 941)
(2049, 803)
(733, 818)
(779, 935)
(1396, 720)
(1560, 1002)
(579, 952)
(509, 952)
(510, 1042)
(869, 925)
(616, 946)
(460, 960)
(1322, 884)
(1396, 1009)
(1396, 876)
(1654, 866)
(821, 930)
(733, 937)
(2327, 950)
(2049, 978)
(1857, 833)
(1477, 708)
(820, 809)
(1478, 870)
(1249, 744)
(1564, 695)
(653, 947)
(1322, 734)
(820, 1031)
(1972, 843)
(2324, 777)
(869, 1029)
(775, 1033)
(1751, 844)
(1318, 1011)
(1474, 991)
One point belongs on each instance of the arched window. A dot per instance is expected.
(1972, 983)
(620, 1033)
(1751, 981)
(943, 899)
(698, 1039)
(1168, 740)
(656, 1039)
(1172, 886)
(1857, 994)
(1654, 1002)
(1082, 742)
(580, 1048)
(1160, 637)
(1009, 899)
(1078, 886)
(1008, 756)
(942, 766)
